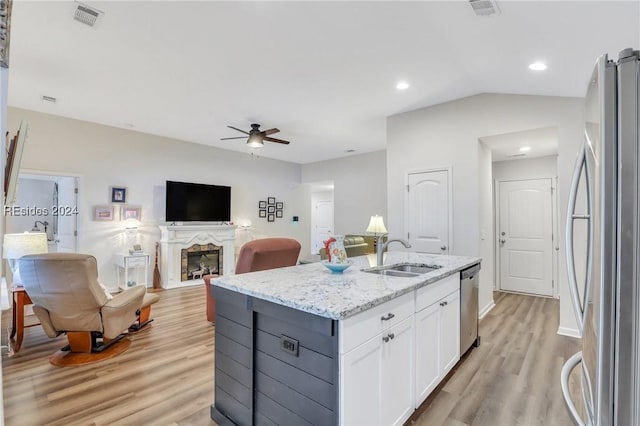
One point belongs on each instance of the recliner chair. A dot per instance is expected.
(67, 298)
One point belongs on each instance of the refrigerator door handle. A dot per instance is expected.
(582, 164)
(567, 368)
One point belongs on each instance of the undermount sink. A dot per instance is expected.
(403, 269)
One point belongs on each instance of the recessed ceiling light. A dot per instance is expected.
(402, 85)
(525, 149)
(538, 66)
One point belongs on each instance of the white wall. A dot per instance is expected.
(447, 134)
(32, 193)
(106, 156)
(485, 180)
(530, 168)
(360, 184)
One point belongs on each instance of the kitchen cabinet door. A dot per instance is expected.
(397, 373)
(361, 384)
(427, 351)
(450, 332)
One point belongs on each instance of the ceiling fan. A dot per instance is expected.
(257, 137)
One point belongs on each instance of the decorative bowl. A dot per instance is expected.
(336, 268)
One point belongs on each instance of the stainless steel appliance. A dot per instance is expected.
(607, 301)
(469, 308)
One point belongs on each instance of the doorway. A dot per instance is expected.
(524, 218)
(322, 215)
(46, 203)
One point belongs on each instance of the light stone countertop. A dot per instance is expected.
(313, 288)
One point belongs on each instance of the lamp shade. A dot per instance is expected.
(17, 245)
(376, 225)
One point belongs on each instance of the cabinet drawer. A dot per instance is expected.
(430, 294)
(137, 261)
(363, 326)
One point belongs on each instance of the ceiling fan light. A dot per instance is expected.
(255, 142)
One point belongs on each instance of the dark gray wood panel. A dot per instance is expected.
(234, 313)
(276, 412)
(233, 330)
(321, 366)
(324, 344)
(295, 402)
(309, 321)
(237, 390)
(231, 297)
(313, 388)
(234, 369)
(234, 350)
(260, 420)
(231, 408)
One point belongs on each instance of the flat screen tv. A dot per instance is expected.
(196, 202)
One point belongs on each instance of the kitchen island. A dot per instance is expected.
(301, 345)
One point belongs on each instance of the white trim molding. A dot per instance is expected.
(484, 311)
(569, 332)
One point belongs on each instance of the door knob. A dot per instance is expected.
(503, 241)
(443, 248)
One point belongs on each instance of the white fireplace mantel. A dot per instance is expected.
(175, 238)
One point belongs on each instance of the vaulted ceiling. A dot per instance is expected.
(324, 73)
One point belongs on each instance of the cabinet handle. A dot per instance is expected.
(391, 336)
(385, 339)
(388, 317)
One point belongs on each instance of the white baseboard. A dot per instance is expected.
(570, 332)
(484, 311)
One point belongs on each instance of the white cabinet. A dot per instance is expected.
(377, 379)
(449, 332)
(437, 343)
(132, 263)
(376, 364)
(427, 351)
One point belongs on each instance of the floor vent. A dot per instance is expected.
(85, 14)
(484, 7)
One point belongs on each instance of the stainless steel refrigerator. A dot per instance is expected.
(605, 290)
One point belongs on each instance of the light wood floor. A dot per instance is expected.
(166, 377)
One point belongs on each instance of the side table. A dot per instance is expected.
(132, 261)
(20, 299)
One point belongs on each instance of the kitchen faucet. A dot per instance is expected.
(380, 246)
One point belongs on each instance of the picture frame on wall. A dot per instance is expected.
(271, 218)
(118, 194)
(271, 209)
(131, 212)
(262, 204)
(279, 213)
(103, 213)
(279, 205)
(262, 213)
(271, 201)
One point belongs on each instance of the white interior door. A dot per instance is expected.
(428, 204)
(525, 236)
(323, 223)
(67, 217)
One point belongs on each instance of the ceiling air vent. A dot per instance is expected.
(51, 99)
(85, 14)
(517, 155)
(484, 7)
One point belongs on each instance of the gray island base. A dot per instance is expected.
(303, 346)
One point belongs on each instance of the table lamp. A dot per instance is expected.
(17, 245)
(376, 225)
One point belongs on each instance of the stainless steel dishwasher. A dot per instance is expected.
(469, 279)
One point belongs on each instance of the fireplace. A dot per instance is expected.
(199, 260)
(180, 243)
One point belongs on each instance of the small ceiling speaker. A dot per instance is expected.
(484, 7)
(85, 14)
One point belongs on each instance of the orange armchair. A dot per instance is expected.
(258, 255)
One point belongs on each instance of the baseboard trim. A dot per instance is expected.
(484, 311)
(569, 332)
